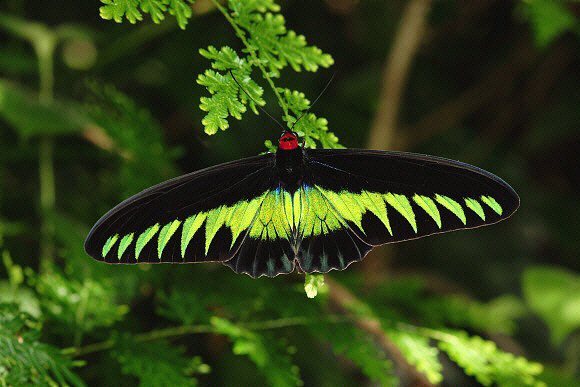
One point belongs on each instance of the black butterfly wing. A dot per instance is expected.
(268, 248)
(200, 217)
(368, 198)
(348, 201)
(324, 239)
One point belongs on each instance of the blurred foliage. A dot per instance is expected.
(554, 294)
(26, 361)
(549, 19)
(94, 111)
(157, 363)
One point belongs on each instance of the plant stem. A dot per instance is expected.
(359, 314)
(44, 42)
(384, 132)
(201, 328)
(252, 52)
(47, 200)
(44, 45)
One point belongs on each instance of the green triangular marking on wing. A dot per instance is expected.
(303, 220)
(244, 216)
(475, 207)
(345, 205)
(297, 207)
(235, 219)
(288, 208)
(280, 221)
(403, 206)
(144, 238)
(492, 203)
(109, 244)
(165, 234)
(215, 219)
(376, 204)
(271, 221)
(321, 212)
(125, 242)
(190, 227)
(314, 212)
(452, 206)
(427, 204)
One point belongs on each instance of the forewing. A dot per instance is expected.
(200, 217)
(385, 197)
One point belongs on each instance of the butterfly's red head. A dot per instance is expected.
(288, 141)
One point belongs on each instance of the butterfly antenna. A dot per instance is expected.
(317, 98)
(259, 107)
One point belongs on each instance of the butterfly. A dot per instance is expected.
(314, 210)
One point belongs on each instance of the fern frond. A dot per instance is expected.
(351, 342)
(483, 360)
(270, 47)
(155, 8)
(309, 127)
(276, 46)
(132, 10)
(26, 361)
(271, 358)
(227, 99)
(419, 353)
(157, 363)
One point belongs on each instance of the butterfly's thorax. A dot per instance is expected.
(290, 168)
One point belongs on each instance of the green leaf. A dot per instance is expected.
(227, 99)
(270, 356)
(549, 19)
(12, 290)
(309, 127)
(294, 50)
(271, 47)
(554, 294)
(29, 117)
(117, 9)
(26, 361)
(483, 360)
(312, 284)
(224, 102)
(181, 10)
(275, 46)
(157, 363)
(155, 8)
(245, 8)
(419, 353)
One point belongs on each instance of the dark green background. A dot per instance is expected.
(485, 87)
